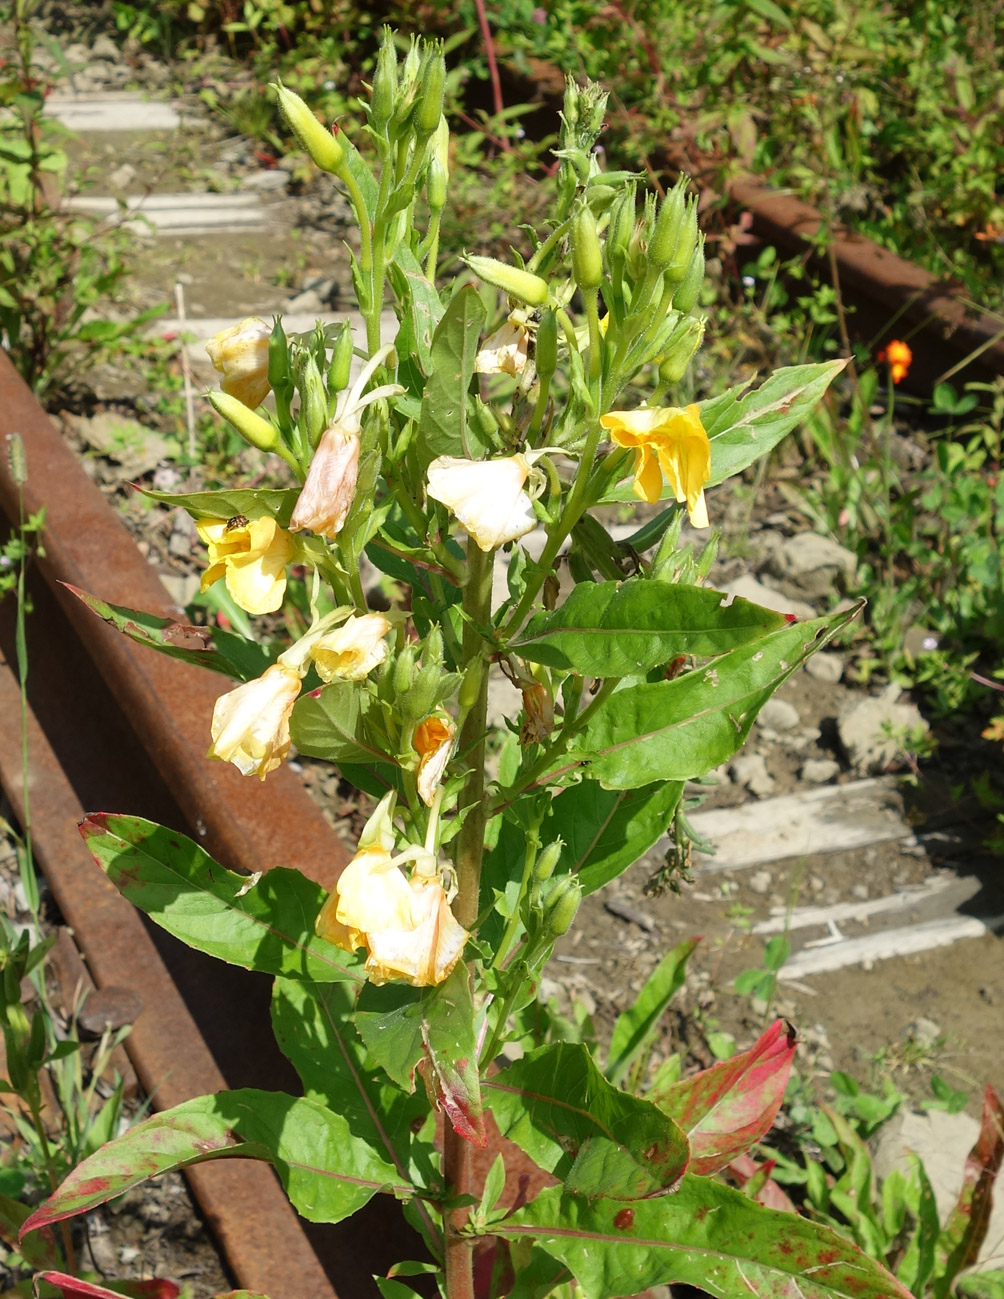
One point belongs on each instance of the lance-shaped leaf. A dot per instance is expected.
(966, 1228)
(634, 1028)
(622, 629)
(263, 922)
(331, 723)
(328, 1173)
(72, 1287)
(676, 730)
(726, 1109)
(251, 502)
(742, 426)
(313, 1027)
(37, 1248)
(422, 311)
(557, 1106)
(705, 1235)
(205, 647)
(433, 1032)
(445, 427)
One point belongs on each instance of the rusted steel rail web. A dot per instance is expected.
(116, 727)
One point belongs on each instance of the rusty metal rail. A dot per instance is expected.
(116, 727)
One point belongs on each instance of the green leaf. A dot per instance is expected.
(331, 723)
(422, 310)
(917, 1264)
(206, 647)
(705, 1235)
(621, 629)
(313, 1027)
(327, 1172)
(607, 830)
(252, 502)
(433, 1031)
(742, 426)
(444, 427)
(262, 923)
(635, 1026)
(557, 1106)
(676, 730)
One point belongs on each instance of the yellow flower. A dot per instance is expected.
(897, 355)
(325, 498)
(405, 925)
(240, 353)
(487, 496)
(353, 650)
(251, 724)
(252, 555)
(670, 441)
(505, 351)
(433, 743)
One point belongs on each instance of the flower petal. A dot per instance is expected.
(241, 354)
(373, 894)
(486, 496)
(426, 954)
(353, 650)
(250, 726)
(326, 496)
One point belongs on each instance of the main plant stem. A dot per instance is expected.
(458, 1153)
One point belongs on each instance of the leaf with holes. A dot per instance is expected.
(728, 1108)
(676, 730)
(262, 923)
(327, 1172)
(704, 1235)
(622, 629)
(557, 1106)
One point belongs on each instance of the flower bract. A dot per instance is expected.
(252, 555)
(667, 441)
(353, 650)
(250, 725)
(486, 496)
(240, 353)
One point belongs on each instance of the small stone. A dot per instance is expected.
(809, 565)
(750, 771)
(308, 303)
(104, 48)
(760, 881)
(128, 1254)
(825, 667)
(817, 883)
(122, 176)
(872, 729)
(924, 1032)
(109, 1008)
(779, 715)
(750, 589)
(860, 892)
(266, 182)
(182, 588)
(819, 771)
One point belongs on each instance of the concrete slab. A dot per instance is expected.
(829, 818)
(946, 891)
(181, 214)
(111, 111)
(905, 941)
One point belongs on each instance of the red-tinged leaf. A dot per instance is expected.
(38, 1249)
(758, 1184)
(241, 1294)
(449, 1066)
(726, 1109)
(966, 1228)
(157, 1287)
(73, 1288)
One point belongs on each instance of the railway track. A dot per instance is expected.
(114, 727)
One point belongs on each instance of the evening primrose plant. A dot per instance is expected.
(517, 398)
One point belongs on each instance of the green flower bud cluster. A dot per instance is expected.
(417, 687)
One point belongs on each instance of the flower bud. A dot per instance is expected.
(432, 650)
(622, 222)
(526, 286)
(384, 82)
(340, 369)
(430, 91)
(313, 402)
(680, 352)
(433, 740)
(678, 264)
(685, 298)
(241, 354)
(424, 694)
(404, 672)
(587, 257)
(561, 905)
(543, 867)
(280, 372)
(324, 148)
(252, 428)
(435, 185)
(668, 226)
(546, 355)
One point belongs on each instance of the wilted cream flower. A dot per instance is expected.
(487, 496)
(670, 441)
(353, 650)
(250, 725)
(538, 708)
(505, 351)
(433, 742)
(406, 926)
(326, 496)
(240, 353)
(252, 555)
